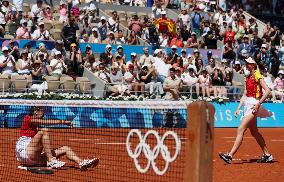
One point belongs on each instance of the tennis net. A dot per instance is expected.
(142, 141)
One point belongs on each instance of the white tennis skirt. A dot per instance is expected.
(21, 151)
(248, 105)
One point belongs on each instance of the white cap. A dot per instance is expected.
(189, 56)
(224, 60)
(263, 45)
(108, 46)
(133, 54)
(110, 32)
(281, 72)
(41, 23)
(237, 62)
(195, 50)
(119, 46)
(183, 50)
(250, 60)
(193, 33)
(103, 18)
(174, 47)
(57, 53)
(94, 29)
(23, 21)
(157, 51)
(5, 48)
(163, 13)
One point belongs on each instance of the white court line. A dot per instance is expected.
(235, 137)
(277, 140)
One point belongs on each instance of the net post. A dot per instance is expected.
(199, 147)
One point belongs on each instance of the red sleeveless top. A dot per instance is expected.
(27, 129)
(253, 86)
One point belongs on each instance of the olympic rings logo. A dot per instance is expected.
(152, 154)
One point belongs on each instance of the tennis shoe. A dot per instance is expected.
(265, 158)
(226, 157)
(87, 163)
(54, 164)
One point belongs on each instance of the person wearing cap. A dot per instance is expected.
(14, 49)
(94, 37)
(106, 57)
(69, 33)
(172, 85)
(210, 40)
(37, 10)
(238, 68)
(245, 49)
(173, 54)
(278, 85)
(119, 52)
(161, 66)
(23, 31)
(7, 62)
(196, 22)
(146, 58)
(103, 28)
(110, 38)
(85, 27)
(252, 100)
(132, 80)
(135, 24)
(192, 42)
(59, 46)
(263, 55)
(24, 64)
(133, 60)
(57, 65)
(157, 9)
(40, 33)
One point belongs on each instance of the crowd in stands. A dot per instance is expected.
(200, 25)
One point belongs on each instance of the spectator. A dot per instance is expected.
(178, 64)
(120, 39)
(63, 10)
(18, 5)
(110, 38)
(224, 68)
(57, 65)
(229, 52)
(7, 62)
(14, 50)
(172, 86)
(76, 60)
(40, 33)
(69, 33)
(121, 54)
(196, 22)
(27, 18)
(3, 16)
(245, 49)
(192, 42)
(94, 37)
(135, 25)
(58, 47)
(48, 15)
(150, 35)
(205, 83)
(237, 67)
(157, 9)
(267, 79)
(146, 58)
(37, 72)
(196, 56)
(177, 41)
(23, 32)
(132, 80)
(211, 67)
(133, 60)
(263, 56)
(229, 35)
(164, 39)
(106, 57)
(42, 50)
(84, 39)
(116, 79)
(139, 3)
(210, 41)
(256, 42)
(113, 22)
(85, 27)
(173, 54)
(190, 82)
(132, 39)
(199, 67)
(102, 27)
(279, 85)
(90, 63)
(183, 56)
(37, 11)
(24, 64)
(160, 65)
(183, 18)
(146, 77)
(217, 80)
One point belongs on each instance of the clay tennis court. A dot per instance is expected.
(115, 164)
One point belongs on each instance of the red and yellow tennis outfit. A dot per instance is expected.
(253, 86)
(28, 131)
(253, 95)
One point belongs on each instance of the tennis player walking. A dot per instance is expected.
(252, 100)
(33, 147)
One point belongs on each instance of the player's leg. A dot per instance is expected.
(38, 143)
(240, 132)
(258, 137)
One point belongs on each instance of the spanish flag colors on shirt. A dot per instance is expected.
(253, 86)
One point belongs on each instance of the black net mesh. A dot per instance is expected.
(133, 141)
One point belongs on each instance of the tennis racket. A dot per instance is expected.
(36, 170)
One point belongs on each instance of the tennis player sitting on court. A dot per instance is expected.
(33, 147)
(252, 100)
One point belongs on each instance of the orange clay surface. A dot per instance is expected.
(116, 165)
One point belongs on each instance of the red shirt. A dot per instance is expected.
(27, 129)
(230, 35)
(253, 86)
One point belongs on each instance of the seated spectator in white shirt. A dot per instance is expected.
(94, 37)
(190, 81)
(172, 86)
(113, 22)
(57, 65)
(7, 62)
(157, 9)
(24, 64)
(40, 33)
(102, 28)
(146, 58)
(58, 47)
(23, 31)
(132, 80)
(160, 65)
(37, 71)
(37, 11)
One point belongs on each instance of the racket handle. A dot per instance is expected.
(23, 168)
